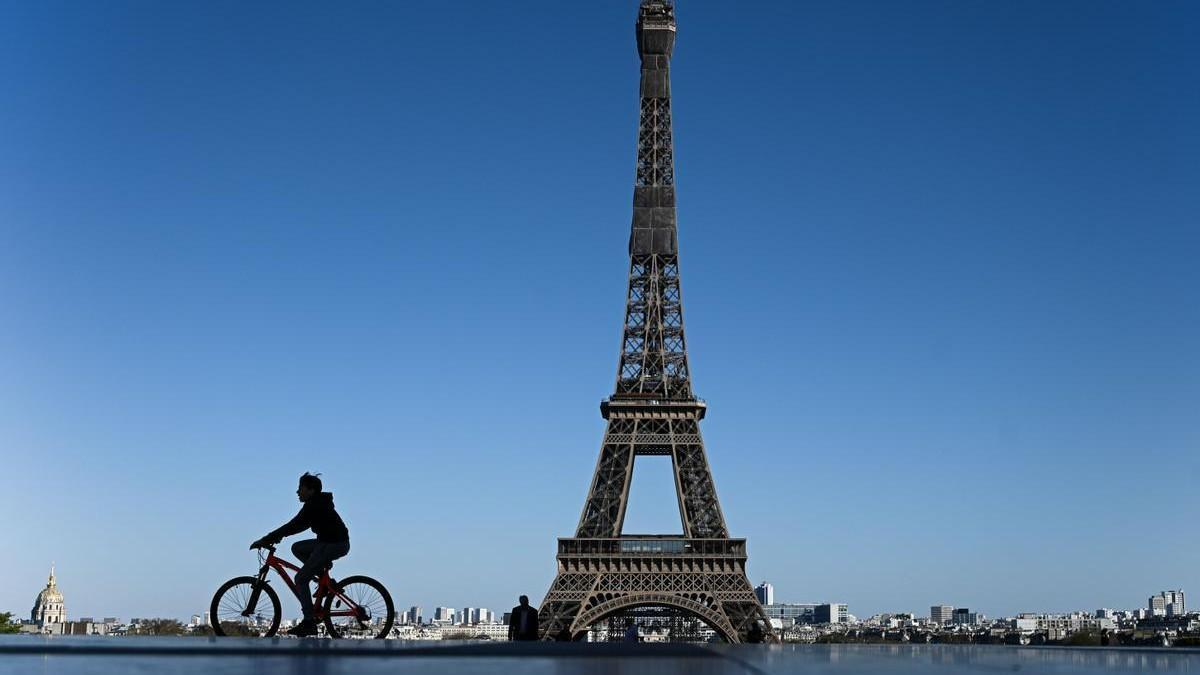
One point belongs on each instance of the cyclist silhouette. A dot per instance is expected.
(332, 542)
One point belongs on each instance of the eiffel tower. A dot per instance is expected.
(701, 572)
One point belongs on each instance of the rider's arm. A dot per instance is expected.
(294, 526)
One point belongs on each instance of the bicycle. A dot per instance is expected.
(357, 606)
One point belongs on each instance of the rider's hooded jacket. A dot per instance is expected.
(317, 513)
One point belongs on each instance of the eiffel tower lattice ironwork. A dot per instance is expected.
(653, 411)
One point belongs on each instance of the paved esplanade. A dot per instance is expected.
(111, 655)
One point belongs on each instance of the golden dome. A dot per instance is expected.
(50, 593)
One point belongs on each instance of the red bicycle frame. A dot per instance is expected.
(325, 586)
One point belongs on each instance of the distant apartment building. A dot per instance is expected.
(765, 593)
(897, 620)
(1058, 625)
(413, 615)
(1025, 624)
(82, 628)
(491, 631)
(1167, 603)
(1106, 613)
(443, 615)
(941, 614)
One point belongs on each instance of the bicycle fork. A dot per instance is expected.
(252, 603)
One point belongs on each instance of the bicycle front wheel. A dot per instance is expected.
(360, 608)
(231, 613)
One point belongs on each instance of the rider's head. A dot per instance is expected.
(524, 600)
(310, 486)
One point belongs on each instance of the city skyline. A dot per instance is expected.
(1162, 604)
(940, 288)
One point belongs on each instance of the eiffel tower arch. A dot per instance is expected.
(701, 571)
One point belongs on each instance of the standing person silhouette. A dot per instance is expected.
(523, 622)
(332, 542)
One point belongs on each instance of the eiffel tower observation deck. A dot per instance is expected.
(606, 578)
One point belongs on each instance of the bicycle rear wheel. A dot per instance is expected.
(231, 615)
(360, 608)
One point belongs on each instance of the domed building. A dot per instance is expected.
(49, 606)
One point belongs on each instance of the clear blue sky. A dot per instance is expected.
(940, 264)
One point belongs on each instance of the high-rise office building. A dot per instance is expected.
(1167, 603)
(765, 593)
(1175, 606)
(941, 614)
(831, 613)
(790, 614)
(413, 615)
(797, 613)
(962, 616)
(1157, 605)
(443, 615)
(474, 615)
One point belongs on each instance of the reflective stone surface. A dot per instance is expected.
(110, 655)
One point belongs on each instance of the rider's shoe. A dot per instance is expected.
(305, 628)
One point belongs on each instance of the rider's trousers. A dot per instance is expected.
(315, 555)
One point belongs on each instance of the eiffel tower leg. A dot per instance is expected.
(744, 610)
(603, 514)
(698, 503)
(555, 617)
(604, 510)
